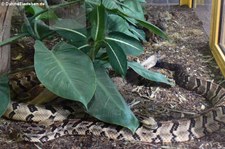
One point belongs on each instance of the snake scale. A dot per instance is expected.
(184, 129)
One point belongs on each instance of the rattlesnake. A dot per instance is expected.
(180, 130)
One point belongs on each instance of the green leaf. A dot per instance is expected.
(126, 10)
(98, 23)
(62, 71)
(119, 24)
(150, 75)
(117, 57)
(116, 23)
(37, 29)
(152, 28)
(142, 1)
(130, 19)
(110, 4)
(72, 35)
(140, 34)
(43, 29)
(140, 22)
(133, 9)
(13, 39)
(94, 2)
(4, 94)
(108, 105)
(130, 45)
(33, 9)
(49, 14)
(27, 28)
(86, 48)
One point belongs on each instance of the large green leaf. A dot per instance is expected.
(33, 9)
(72, 35)
(117, 57)
(110, 4)
(152, 28)
(116, 23)
(140, 22)
(130, 45)
(77, 37)
(142, 1)
(133, 9)
(119, 24)
(66, 71)
(108, 105)
(150, 75)
(98, 16)
(140, 34)
(4, 93)
(95, 2)
(37, 28)
(43, 29)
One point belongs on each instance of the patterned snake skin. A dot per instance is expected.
(181, 130)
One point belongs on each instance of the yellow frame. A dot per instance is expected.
(214, 35)
(186, 2)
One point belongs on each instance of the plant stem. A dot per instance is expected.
(97, 47)
(35, 29)
(92, 54)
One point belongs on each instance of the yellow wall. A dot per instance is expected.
(186, 2)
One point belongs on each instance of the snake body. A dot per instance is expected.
(180, 130)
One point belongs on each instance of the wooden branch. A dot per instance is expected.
(5, 25)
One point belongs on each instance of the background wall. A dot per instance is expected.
(163, 2)
(203, 11)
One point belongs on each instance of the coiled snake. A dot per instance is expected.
(180, 130)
